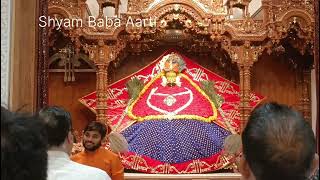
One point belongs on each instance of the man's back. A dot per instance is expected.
(60, 167)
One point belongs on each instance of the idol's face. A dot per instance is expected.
(91, 140)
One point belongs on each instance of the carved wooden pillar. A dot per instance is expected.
(100, 54)
(241, 87)
(101, 87)
(246, 92)
(305, 102)
(42, 64)
(102, 81)
(244, 55)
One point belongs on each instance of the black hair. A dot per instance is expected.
(23, 147)
(96, 126)
(278, 143)
(58, 124)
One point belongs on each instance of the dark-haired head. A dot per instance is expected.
(6, 115)
(278, 144)
(96, 126)
(94, 133)
(23, 147)
(58, 125)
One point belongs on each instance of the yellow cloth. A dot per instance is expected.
(102, 159)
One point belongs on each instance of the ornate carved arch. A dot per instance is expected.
(59, 10)
(187, 7)
(292, 35)
(286, 17)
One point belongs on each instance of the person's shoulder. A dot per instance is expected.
(91, 171)
(109, 153)
(76, 156)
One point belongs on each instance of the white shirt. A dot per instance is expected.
(60, 167)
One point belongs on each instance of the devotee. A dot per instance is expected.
(278, 144)
(60, 140)
(97, 156)
(23, 147)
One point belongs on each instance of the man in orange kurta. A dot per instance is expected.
(96, 156)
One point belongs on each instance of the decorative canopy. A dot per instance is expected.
(188, 103)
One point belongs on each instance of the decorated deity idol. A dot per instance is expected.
(174, 116)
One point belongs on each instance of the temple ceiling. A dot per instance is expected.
(199, 25)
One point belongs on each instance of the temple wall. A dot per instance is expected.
(273, 78)
(23, 55)
(67, 95)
